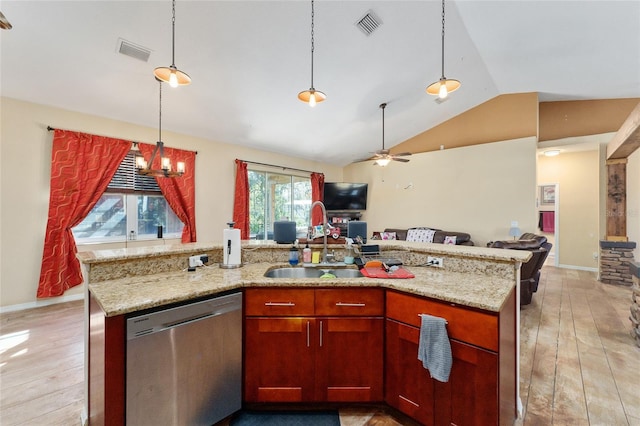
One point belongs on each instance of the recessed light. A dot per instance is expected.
(552, 152)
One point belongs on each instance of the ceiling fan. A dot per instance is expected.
(382, 156)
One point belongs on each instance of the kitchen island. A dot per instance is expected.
(476, 291)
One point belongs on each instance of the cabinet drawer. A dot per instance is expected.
(278, 302)
(350, 302)
(464, 324)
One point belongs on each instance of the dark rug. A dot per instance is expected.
(286, 418)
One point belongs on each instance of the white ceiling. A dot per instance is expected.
(249, 59)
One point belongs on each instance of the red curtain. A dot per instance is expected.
(241, 200)
(82, 166)
(180, 192)
(317, 194)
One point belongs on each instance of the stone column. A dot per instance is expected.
(615, 258)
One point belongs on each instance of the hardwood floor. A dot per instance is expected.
(579, 364)
(41, 365)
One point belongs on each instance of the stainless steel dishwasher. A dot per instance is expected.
(184, 364)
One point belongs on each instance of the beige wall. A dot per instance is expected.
(478, 189)
(578, 177)
(25, 155)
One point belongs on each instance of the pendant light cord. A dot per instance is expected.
(160, 114)
(173, 37)
(312, 41)
(443, 40)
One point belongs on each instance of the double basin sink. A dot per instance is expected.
(313, 272)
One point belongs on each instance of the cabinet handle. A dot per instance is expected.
(360, 305)
(320, 333)
(279, 304)
(308, 342)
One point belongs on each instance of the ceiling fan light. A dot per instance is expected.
(172, 75)
(383, 161)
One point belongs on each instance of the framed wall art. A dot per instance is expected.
(547, 194)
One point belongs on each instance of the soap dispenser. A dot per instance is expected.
(293, 256)
(306, 254)
(349, 256)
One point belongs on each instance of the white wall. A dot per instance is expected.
(478, 190)
(25, 156)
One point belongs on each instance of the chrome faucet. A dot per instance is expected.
(324, 226)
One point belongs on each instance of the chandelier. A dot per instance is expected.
(165, 169)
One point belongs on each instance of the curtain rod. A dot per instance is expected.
(278, 167)
(50, 129)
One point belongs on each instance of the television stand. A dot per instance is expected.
(341, 219)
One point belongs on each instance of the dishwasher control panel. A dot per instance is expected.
(154, 322)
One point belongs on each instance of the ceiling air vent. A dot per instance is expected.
(368, 23)
(133, 50)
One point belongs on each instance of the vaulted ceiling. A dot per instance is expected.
(249, 59)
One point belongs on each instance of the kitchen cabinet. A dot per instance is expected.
(314, 345)
(482, 385)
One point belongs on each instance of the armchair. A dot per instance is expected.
(529, 271)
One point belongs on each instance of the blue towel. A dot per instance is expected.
(434, 349)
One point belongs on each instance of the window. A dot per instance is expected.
(275, 196)
(132, 207)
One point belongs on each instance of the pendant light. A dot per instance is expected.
(444, 86)
(145, 168)
(171, 74)
(312, 96)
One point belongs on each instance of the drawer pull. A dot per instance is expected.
(358, 305)
(279, 304)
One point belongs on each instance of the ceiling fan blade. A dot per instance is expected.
(382, 152)
(402, 160)
(402, 154)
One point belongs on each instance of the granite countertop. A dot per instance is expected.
(477, 252)
(132, 294)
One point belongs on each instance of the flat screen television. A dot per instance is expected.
(345, 196)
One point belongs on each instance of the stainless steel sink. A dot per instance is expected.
(311, 273)
(346, 273)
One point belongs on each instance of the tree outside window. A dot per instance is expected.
(276, 196)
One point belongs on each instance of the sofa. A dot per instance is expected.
(530, 271)
(461, 238)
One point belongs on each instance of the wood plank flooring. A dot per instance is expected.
(579, 365)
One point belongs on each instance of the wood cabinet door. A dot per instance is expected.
(279, 359)
(470, 397)
(349, 362)
(408, 385)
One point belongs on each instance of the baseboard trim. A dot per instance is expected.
(579, 268)
(41, 303)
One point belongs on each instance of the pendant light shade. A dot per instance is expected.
(444, 86)
(312, 96)
(172, 74)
